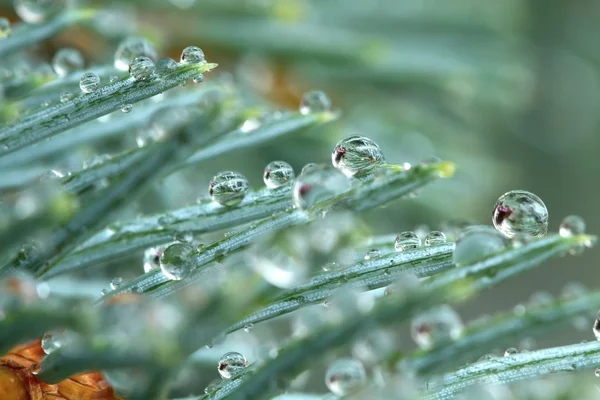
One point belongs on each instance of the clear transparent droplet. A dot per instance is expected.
(141, 68)
(318, 183)
(36, 11)
(89, 82)
(65, 97)
(596, 328)
(50, 343)
(95, 160)
(231, 364)
(572, 225)
(67, 60)
(438, 324)
(407, 241)
(435, 237)
(35, 368)
(192, 55)
(165, 66)
(127, 108)
(372, 253)
(476, 243)
(597, 372)
(520, 211)
(356, 155)
(116, 283)
(314, 102)
(331, 266)
(174, 261)
(345, 376)
(5, 29)
(277, 174)
(510, 352)
(131, 48)
(198, 78)
(248, 327)
(228, 188)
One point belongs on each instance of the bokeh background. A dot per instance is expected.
(508, 90)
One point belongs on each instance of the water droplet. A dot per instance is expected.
(510, 351)
(35, 368)
(331, 266)
(96, 160)
(187, 237)
(314, 102)
(165, 66)
(407, 241)
(192, 55)
(51, 175)
(141, 68)
(127, 108)
(116, 283)
(248, 328)
(50, 343)
(133, 47)
(572, 225)
(174, 262)
(372, 253)
(210, 389)
(438, 324)
(477, 242)
(356, 155)
(596, 328)
(103, 292)
(435, 237)
(573, 290)
(66, 96)
(345, 376)
(198, 78)
(36, 11)
(519, 211)
(597, 372)
(520, 240)
(228, 188)
(89, 82)
(278, 173)
(231, 364)
(67, 60)
(5, 30)
(318, 183)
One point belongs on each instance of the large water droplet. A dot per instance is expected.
(36, 11)
(174, 262)
(50, 343)
(407, 241)
(67, 60)
(5, 30)
(438, 324)
(435, 237)
(519, 211)
(318, 183)
(572, 225)
(141, 68)
(356, 155)
(345, 376)
(133, 47)
(89, 82)
(231, 364)
(228, 188)
(278, 173)
(477, 242)
(192, 55)
(165, 66)
(314, 102)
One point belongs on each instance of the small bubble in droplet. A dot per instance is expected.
(65, 97)
(476, 243)
(198, 78)
(89, 82)
(356, 155)
(66, 61)
(50, 343)
(519, 211)
(314, 102)
(165, 66)
(435, 237)
(127, 108)
(438, 324)
(277, 174)
(174, 262)
(133, 47)
(407, 241)
(228, 188)
(36, 11)
(116, 283)
(5, 29)
(141, 68)
(510, 351)
(231, 364)
(572, 225)
(248, 327)
(372, 253)
(345, 376)
(192, 55)
(318, 183)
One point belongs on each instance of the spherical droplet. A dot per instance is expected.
(597, 372)
(141, 68)
(127, 108)
(519, 211)
(248, 327)
(510, 351)
(438, 324)
(277, 174)
(192, 55)
(228, 188)
(66, 96)
(596, 328)
(50, 343)
(231, 364)
(407, 241)
(66, 61)
(318, 183)
(5, 29)
(198, 78)
(174, 261)
(477, 242)
(116, 283)
(35, 368)
(435, 237)
(345, 376)
(572, 225)
(36, 11)
(133, 47)
(89, 82)
(356, 155)
(314, 102)
(372, 253)
(165, 66)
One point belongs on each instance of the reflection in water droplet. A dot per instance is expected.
(89, 82)
(318, 183)
(192, 55)
(572, 225)
(127, 108)
(510, 351)
(228, 188)
(314, 102)
(231, 364)
(141, 68)
(519, 211)
(407, 241)
(356, 155)
(116, 283)
(165, 66)
(345, 376)
(438, 324)
(277, 174)
(477, 242)
(66, 61)
(133, 47)
(36, 11)
(174, 261)
(435, 237)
